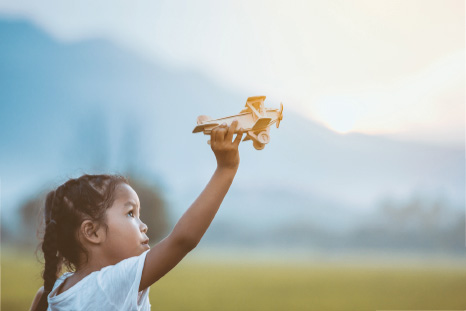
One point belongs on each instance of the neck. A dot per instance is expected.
(90, 264)
(86, 270)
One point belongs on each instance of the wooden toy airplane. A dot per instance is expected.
(255, 120)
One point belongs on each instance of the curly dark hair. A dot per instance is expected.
(66, 207)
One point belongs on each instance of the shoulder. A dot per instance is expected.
(39, 293)
(125, 268)
(122, 276)
(37, 298)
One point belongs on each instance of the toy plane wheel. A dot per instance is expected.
(258, 145)
(263, 137)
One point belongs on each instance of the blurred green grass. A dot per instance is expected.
(214, 285)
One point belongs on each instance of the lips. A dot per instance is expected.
(145, 242)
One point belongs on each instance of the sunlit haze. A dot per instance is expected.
(374, 67)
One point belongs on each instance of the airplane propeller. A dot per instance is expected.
(280, 115)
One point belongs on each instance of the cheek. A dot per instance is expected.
(123, 228)
(116, 227)
(116, 222)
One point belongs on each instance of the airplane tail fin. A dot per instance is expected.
(203, 118)
(200, 126)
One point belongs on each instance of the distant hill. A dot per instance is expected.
(93, 106)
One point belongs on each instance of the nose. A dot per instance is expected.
(143, 227)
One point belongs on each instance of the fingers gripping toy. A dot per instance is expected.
(255, 120)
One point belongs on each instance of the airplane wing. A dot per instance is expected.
(255, 98)
(261, 123)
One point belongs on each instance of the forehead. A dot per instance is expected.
(124, 193)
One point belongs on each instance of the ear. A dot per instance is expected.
(92, 232)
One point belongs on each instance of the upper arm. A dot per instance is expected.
(37, 298)
(163, 257)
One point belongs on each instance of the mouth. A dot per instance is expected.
(145, 242)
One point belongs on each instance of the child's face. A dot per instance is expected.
(126, 235)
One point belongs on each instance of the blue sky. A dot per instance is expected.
(393, 68)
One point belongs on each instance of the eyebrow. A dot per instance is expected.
(130, 203)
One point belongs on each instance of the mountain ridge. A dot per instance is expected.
(93, 106)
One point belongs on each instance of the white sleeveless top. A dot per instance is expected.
(113, 287)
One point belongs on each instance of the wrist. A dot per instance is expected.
(231, 169)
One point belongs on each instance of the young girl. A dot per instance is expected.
(93, 227)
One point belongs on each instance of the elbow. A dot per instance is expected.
(185, 242)
(190, 244)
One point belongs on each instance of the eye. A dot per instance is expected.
(130, 213)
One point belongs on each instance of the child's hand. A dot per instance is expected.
(224, 149)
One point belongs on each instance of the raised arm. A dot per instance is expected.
(194, 223)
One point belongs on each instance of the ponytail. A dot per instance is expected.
(50, 249)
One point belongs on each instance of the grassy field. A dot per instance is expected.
(201, 285)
